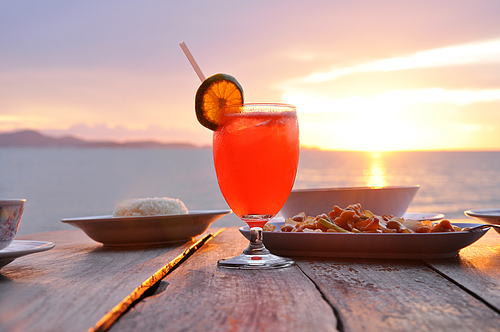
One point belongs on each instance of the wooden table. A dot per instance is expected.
(82, 286)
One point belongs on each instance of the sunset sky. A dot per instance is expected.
(364, 75)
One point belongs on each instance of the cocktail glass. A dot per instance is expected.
(256, 154)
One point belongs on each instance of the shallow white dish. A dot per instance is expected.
(20, 248)
(424, 216)
(369, 245)
(146, 230)
(488, 215)
(491, 216)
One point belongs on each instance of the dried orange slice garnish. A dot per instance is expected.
(213, 94)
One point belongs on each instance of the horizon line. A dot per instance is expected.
(194, 145)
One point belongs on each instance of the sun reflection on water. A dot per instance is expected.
(375, 176)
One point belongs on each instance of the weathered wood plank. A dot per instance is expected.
(476, 268)
(147, 286)
(381, 295)
(202, 297)
(70, 287)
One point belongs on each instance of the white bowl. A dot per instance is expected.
(391, 200)
(11, 211)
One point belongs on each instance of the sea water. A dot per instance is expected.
(77, 182)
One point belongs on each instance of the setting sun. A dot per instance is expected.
(357, 124)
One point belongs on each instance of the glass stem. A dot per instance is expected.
(256, 246)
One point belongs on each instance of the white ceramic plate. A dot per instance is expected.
(424, 216)
(369, 245)
(490, 216)
(20, 248)
(146, 230)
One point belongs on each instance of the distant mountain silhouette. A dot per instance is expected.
(32, 138)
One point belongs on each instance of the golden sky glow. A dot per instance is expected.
(475, 53)
(387, 121)
(371, 75)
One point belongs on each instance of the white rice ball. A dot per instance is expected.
(150, 207)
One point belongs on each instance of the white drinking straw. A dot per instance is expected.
(192, 61)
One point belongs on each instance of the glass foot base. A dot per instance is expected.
(255, 262)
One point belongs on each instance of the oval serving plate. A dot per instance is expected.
(146, 230)
(369, 245)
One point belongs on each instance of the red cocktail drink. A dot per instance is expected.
(256, 154)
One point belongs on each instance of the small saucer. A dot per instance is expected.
(20, 248)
